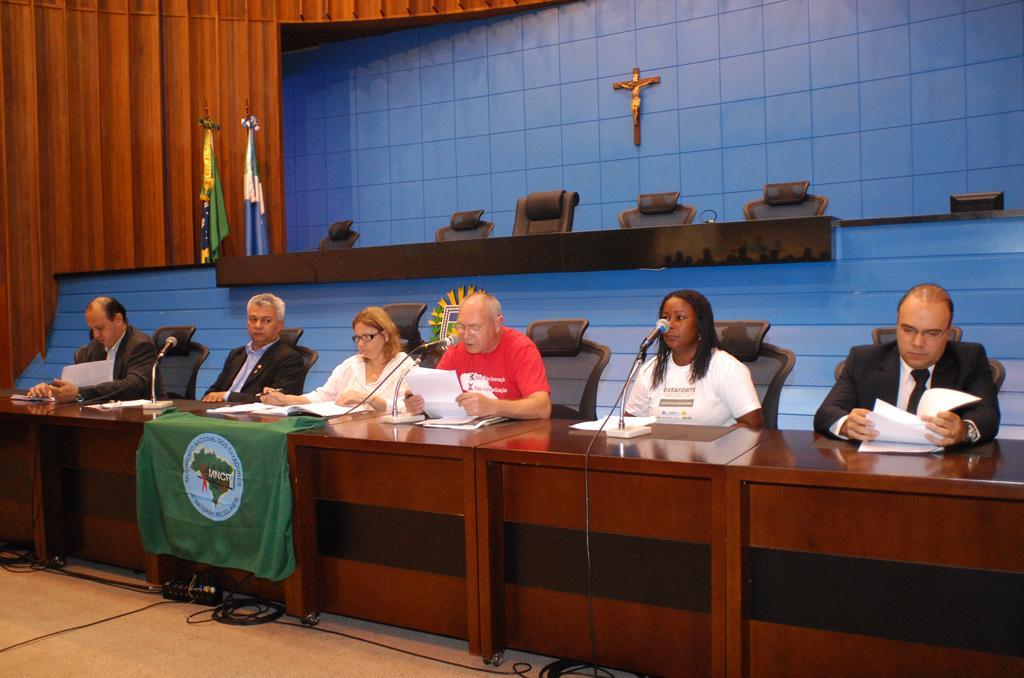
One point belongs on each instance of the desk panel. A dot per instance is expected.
(389, 528)
(886, 564)
(18, 473)
(657, 546)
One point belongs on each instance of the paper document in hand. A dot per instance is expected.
(899, 426)
(89, 374)
(595, 425)
(439, 389)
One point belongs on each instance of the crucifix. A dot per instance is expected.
(634, 86)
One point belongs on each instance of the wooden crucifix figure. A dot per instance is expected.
(634, 86)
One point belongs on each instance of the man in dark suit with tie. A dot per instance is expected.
(265, 362)
(132, 351)
(899, 372)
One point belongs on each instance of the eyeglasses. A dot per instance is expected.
(365, 338)
(468, 329)
(912, 332)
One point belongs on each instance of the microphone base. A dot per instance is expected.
(627, 431)
(402, 418)
(158, 405)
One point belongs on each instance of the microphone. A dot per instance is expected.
(153, 403)
(446, 343)
(171, 342)
(659, 329)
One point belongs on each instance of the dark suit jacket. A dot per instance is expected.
(133, 368)
(874, 372)
(280, 367)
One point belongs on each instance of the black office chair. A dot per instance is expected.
(340, 236)
(573, 364)
(290, 336)
(179, 367)
(465, 226)
(545, 212)
(407, 317)
(785, 200)
(769, 365)
(657, 209)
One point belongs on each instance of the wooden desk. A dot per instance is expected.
(657, 543)
(385, 522)
(843, 563)
(19, 474)
(79, 464)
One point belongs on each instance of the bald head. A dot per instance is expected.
(929, 292)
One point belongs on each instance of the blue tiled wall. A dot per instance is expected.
(887, 106)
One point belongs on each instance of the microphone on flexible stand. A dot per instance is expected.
(406, 417)
(153, 403)
(621, 430)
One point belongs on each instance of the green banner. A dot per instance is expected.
(216, 491)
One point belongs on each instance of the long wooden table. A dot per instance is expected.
(714, 551)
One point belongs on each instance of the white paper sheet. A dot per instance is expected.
(461, 423)
(900, 431)
(89, 374)
(439, 389)
(324, 409)
(118, 404)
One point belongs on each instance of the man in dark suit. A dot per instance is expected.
(132, 351)
(265, 362)
(898, 372)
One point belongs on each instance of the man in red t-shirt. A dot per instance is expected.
(500, 369)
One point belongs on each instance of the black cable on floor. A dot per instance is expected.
(568, 667)
(85, 626)
(27, 561)
(517, 669)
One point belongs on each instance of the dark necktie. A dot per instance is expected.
(921, 377)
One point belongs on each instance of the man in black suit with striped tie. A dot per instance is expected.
(899, 372)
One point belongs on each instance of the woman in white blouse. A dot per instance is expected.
(377, 342)
(691, 380)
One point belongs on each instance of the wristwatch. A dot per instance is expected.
(972, 435)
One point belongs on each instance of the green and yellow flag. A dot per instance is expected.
(213, 225)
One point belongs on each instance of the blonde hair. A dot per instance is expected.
(378, 318)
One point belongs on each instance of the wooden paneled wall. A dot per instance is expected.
(100, 150)
(101, 147)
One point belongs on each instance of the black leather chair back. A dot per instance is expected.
(657, 209)
(789, 199)
(574, 366)
(769, 365)
(545, 212)
(340, 236)
(179, 367)
(406, 317)
(465, 226)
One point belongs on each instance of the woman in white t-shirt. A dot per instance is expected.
(691, 380)
(378, 354)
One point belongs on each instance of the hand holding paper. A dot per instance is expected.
(910, 430)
